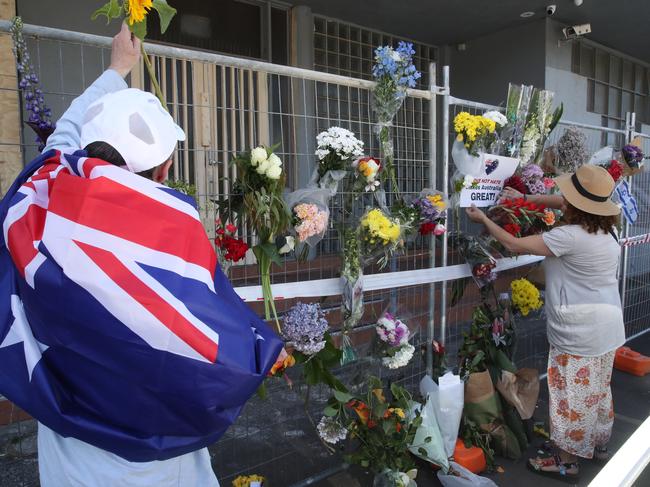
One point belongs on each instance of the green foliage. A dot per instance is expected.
(111, 10)
(165, 12)
(473, 435)
(317, 368)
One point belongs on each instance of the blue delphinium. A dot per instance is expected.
(40, 116)
(305, 326)
(396, 64)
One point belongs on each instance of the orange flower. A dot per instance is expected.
(549, 217)
(282, 363)
(562, 360)
(576, 435)
(362, 411)
(137, 10)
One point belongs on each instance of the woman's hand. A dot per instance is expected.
(510, 194)
(476, 215)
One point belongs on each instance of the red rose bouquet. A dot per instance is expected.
(229, 248)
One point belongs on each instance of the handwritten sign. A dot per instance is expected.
(487, 185)
(627, 202)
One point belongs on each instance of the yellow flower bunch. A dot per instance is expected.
(379, 227)
(436, 200)
(246, 480)
(470, 127)
(525, 296)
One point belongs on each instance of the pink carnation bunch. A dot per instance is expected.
(311, 220)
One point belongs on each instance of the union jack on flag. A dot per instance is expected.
(117, 326)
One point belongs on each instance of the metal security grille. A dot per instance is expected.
(349, 49)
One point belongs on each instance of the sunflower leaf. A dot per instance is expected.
(165, 12)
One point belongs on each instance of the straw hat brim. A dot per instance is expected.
(569, 191)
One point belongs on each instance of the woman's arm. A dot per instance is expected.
(554, 201)
(533, 245)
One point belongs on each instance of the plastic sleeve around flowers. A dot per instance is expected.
(329, 181)
(310, 196)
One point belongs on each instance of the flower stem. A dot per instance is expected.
(152, 75)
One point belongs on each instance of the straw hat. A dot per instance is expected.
(589, 190)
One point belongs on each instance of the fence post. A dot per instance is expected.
(445, 191)
(630, 127)
(433, 127)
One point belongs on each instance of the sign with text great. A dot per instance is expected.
(487, 185)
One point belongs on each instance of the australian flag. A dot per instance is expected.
(117, 326)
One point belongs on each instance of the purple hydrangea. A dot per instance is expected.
(305, 326)
(533, 178)
(532, 171)
(40, 116)
(633, 155)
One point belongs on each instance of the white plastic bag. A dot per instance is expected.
(466, 164)
(435, 450)
(463, 478)
(448, 403)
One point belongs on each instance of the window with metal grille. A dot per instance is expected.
(616, 84)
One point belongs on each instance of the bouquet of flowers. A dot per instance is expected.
(366, 175)
(474, 131)
(257, 201)
(533, 177)
(383, 426)
(309, 214)
(379, 233)
(615, 170)
(633, 157)
(352, 297)
(541, 122)
(229, 248)
(248, 481)
(525, 296)
(517, 106)
(336, 149)
(496, 143)
(480, 261)
(522, 218)
(571, 150)
(40, 116)
(394, 73)
(394, 340)
(431, 206)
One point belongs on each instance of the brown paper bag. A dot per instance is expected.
(520, 390)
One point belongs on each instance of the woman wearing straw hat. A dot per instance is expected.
(584, 315)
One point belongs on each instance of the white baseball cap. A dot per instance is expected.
(135, 124)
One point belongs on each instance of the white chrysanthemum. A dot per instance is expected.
(401, 358)
(497, 117)
(274, 172)
(340, 141)
(258, 155)
(331, 431)
(275, 160)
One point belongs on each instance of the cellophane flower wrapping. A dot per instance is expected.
(476, 255)
(517, 108)
(367, 172)
(432, 207)
(352, 296)
(475, 132)
(380, 235)
(230, 249)
(309, 214)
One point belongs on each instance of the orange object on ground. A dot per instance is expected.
(473, 458)
(631, 362)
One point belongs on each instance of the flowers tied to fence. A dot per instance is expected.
(229, 248)
(474, 132)
(248, 481)
(336, 149)
(380, 235)
(394, 343)
(381, 429)
(394, 73)
(366, 175)
(525, 296)
(40, 116)
(540, 123)
(257, 202)
(521, 218)
(135, 13)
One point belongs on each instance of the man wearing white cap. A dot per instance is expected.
(131, 129)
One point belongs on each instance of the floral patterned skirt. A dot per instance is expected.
(580, 401)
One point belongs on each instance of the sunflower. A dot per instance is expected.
(137, 10)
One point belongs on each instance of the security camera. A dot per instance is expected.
(576, 31)
(550, 10)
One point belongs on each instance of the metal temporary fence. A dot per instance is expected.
(227, 105)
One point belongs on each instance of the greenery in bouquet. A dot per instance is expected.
(381, 429)
(476, 132)
(478, 258)
(521, 218)
(306, 329)
(379, 234)
(352, 297)
(542, 119)
(571, 150)
(135, 12)
(394, 73)
(336, 149)
(40, 115)
(517, 108)
(439, 360)
(393, 335)
(257, 202)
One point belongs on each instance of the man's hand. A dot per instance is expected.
(125, 52)
(476, 215)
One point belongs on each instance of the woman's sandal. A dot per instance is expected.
(601, 454)
(563, 469)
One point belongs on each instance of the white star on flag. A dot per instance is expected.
(20, 332)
